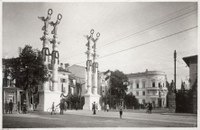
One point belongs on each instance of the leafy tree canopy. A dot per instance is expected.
(118, 82)
(28, 69)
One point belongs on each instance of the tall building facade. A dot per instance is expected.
(149, 86)
(78, 72)
(191, 62)
(10, 91)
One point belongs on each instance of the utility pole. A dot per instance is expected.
(175, 55)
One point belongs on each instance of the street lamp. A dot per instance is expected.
(159, 98)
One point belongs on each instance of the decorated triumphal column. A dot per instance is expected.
(91, 95)
(50, 92)
(55, 53)
(45, 38)
(45, 55)
(95, 67)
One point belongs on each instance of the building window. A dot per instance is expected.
(153, 84)
(143, 84)
(143, 101)
(62, 80)
(137, 93)
(51, 88)
(143, 93)
(131, 85)
(159, 85)
(154, 93)
(137, 85)
(62, 88)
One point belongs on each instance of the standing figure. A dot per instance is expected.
(107, 108)
(18, 107)
(24, 107)
(94, 108)
(10, 107)
(61, 106)
(55, 28)
(53, 109)
(120, 111)
(6, 107)
(65, 104)
(76, 105)
(46, 20)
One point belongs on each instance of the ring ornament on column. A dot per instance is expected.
(88, 63)
(59, 17)
(98, 34)
(55, 54)
(50, 12)
(96, 65)
(45, 51)
(92, 31)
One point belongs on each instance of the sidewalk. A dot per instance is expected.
(114, 112)
(180, 114)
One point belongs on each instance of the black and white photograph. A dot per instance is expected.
(99, 64)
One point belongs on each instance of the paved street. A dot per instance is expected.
(81, 118)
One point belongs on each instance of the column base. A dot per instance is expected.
(89, 100)
(46, 98)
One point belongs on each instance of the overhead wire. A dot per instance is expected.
(146, 43)
(144, 30)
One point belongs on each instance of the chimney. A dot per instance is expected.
(66, 66)
(61, 65)
(146, 70)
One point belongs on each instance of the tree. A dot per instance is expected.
(131, 102)
(29, 71)
(118, 87)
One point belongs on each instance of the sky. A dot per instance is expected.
(135, 36)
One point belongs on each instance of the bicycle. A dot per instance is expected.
(56, 110)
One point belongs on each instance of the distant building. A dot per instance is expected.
(10, 91)
(104, 85)
(149, 86)
(78, 74)
(191, 62)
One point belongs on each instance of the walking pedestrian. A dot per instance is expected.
(150, 108)
(107, 108)
(10, 107)
(120, 111)
(94, 108)
(53, 109)
(147, 107)
(6, 107)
